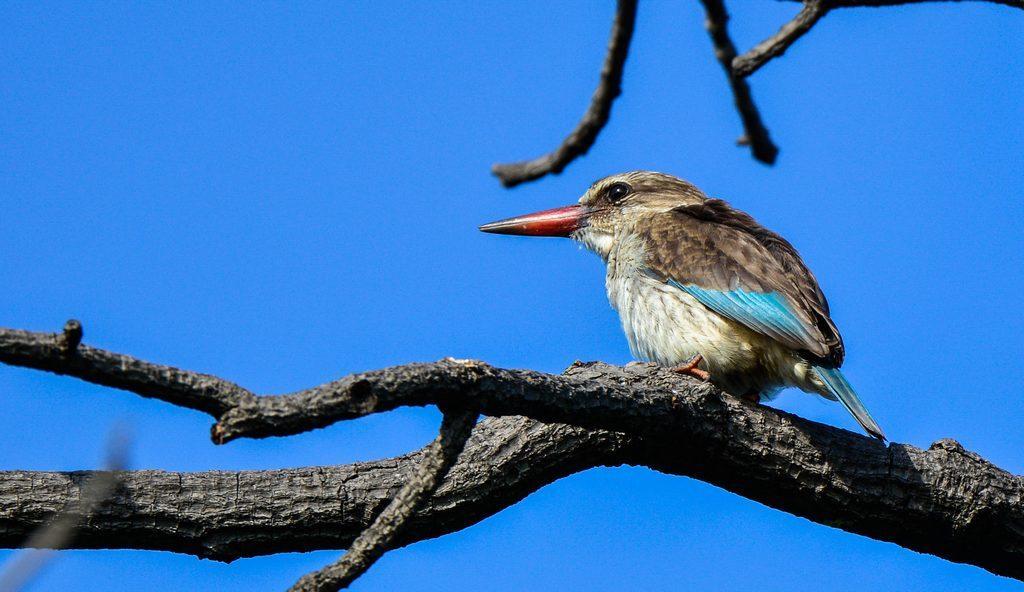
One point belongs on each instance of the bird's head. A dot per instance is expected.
(608, 212)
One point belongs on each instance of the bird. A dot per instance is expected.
(703, 288)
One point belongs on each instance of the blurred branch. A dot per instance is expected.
(59, 532)
(945, 500)
(369, 546)
(755, 133)
(579, 141)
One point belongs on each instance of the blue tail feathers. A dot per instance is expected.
(837, 385)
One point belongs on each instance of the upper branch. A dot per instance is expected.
(812, 11)
(582, 137)
(882, 3)
(777, 44)
(755, 133)
(241, 414)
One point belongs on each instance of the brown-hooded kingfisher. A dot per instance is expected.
(703, 288)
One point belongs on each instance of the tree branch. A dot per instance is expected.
(812, 11)
(737, 67)
(944, 501)
(225, 515)
(777, 44)
(579, 141)
(755, 133)
(369, 546)
(62, 353)
(466, 383)
(58, 532)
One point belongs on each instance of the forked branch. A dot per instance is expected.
(777, 44)
(945, 500)
(371, 544)
(755, 133)
(737, 68)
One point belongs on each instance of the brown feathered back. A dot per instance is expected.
(717, 247)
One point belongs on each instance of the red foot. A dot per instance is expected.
(690, 368)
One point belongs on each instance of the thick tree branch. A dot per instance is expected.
(945, 501)
(755, 133)
(59, 531)
(227, 515)
(582, 137)
(369, 546)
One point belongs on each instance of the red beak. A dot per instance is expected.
(555, 222)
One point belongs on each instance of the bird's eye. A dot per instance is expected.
(617, 191)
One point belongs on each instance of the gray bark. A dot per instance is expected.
(945, 500)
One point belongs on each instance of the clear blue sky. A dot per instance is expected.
(282, 194)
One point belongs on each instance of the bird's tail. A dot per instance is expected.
(839, 387)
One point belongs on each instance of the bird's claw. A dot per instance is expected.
(690, 368)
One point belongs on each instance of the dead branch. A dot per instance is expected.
(777, 44)
(579, 141)
(737, 67)
(945, 500)
(755, 133)
(369, 546)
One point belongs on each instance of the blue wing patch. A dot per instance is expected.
(767, 313)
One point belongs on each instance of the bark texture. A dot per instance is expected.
(945, 500)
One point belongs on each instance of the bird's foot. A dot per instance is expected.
(690, 368)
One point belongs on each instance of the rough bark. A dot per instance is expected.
(370, 545)
(944, 500)
(226, 515)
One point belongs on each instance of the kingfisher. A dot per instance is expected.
(702, 288)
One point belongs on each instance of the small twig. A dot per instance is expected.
(371, 544)
(579, 141)
(777, 44)
(755, 133)
(59, 532)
